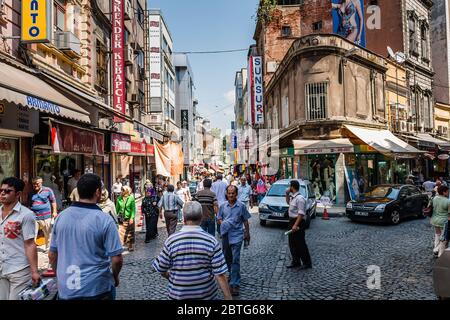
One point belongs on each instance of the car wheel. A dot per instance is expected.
(394, 217)
(263, 223)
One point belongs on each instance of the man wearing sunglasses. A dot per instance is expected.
(18, 252)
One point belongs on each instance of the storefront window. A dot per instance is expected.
(123, 164)
(8, 158)
(56, 170)
(137, 176)
(322, 176)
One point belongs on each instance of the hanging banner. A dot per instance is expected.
(118, 61)
(169, 159)
(36, 21)
(257, 91)
(348, 20)
(120, 143)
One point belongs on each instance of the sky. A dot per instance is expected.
(212, 25)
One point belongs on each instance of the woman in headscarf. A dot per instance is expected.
(126, 210)
(151, 211)
(108, 206)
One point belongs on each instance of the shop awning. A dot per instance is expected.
(25, 89)
(384, 142)
(426, 140)
(322, 146)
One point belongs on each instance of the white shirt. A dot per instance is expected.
(297, 205)
(117, 187)
(17, 227)
(71, 184)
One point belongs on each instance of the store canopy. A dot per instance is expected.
(322, 146)
(25, 89)
(384, 142)
(426, 140)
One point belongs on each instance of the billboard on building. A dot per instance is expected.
(155, 56)
(36, 21)
(348, 20)
(256, 96)
(118, 59)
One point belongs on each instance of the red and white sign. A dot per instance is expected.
(120, 143)
(256, 90)
(155, 56)
(118, 61)
(139, 148)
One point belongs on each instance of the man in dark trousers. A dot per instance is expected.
(297, 244)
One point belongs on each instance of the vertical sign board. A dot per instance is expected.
(185, 119)
(251, 110)
(258, 102)
(155, 57)
(118, 61)
(36, 21)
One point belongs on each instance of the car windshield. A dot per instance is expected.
(279, 190)
(383, 192)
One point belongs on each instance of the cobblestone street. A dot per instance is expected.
(341, 252)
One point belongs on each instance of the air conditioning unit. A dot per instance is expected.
(132, 98)
(272, 66)
(129, 55)
(128, 10)
(68, 43)
(402, 126)
(154, 119)
(411, 127)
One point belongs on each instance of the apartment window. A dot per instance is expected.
(289, 2)
(126, 35)
(413, 45)
(316, 100)
(102, 66)
(427, 111)
(140, 14)
(285, 112)
(141, 100)
(424, 41)
(140, 58)
(317, 26)
(60, 15)
(172, 113)
(286, 31)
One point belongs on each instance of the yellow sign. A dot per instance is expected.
(36, 21)
(2, 108)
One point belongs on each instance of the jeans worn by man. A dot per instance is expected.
(232, 217)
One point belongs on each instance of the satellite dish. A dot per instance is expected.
(391, 52)
(400, 57)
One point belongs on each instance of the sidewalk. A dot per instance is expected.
(334, 211)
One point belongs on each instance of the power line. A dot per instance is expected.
(212, 52)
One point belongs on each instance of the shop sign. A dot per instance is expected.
(426, 144)
(147, 132)
(36, 21)
(19, 118)
(150, 150)
(118, 59)
(68, 139)
(443, 156)
(138, 148)
(120, 143)
(256, 90)
(287, 152)
(185, 119)
(326, 150)
(155, 57)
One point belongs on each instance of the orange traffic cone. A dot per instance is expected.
(325, 215)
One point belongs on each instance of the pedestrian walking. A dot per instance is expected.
(233, 217)
(297, 224)
(18, 258)
(85, 250)
(72, 183)
(181, 193)
(261, 190)
(441, 209)
(151, 212)
(126, 210)
(117, 188)
(210, 207)
(171, 203)
(43, 204)
(200, 250)
(108, 206)
(244, 192)
(219, 187)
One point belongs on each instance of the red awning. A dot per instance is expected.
(72, 139)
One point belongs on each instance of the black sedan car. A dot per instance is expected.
(388, 204)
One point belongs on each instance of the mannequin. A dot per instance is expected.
(46, 174)
(316, 188)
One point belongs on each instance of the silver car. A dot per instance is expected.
(274, 207)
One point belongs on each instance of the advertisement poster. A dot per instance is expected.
(348, 20)
(352, 182)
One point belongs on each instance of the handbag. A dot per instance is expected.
(121, 215)
(428, 210)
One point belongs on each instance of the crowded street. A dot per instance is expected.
(341, 252)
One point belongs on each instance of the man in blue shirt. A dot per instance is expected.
(244, 192)
(85, 249)
(232, 217)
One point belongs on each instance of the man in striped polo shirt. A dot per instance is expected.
(43, 204)
(192, 260)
